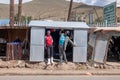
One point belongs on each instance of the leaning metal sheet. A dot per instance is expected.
(100, 49)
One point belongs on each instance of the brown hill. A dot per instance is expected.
(49, 9)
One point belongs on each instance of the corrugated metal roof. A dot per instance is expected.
(58, 24)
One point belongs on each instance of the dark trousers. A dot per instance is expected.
(50, 51)
(62, 53)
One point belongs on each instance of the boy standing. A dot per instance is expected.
(49, 47)
(63, 41)
(61, 47)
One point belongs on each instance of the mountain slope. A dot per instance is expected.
(49, 9)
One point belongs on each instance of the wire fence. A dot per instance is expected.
(103, 24)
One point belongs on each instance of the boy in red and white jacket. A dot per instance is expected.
(49, 47)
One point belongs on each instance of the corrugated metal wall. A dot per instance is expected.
(80, 52)
(37, 44)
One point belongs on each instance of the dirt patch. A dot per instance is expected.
(64, 66)
(54, 66)
(40, 65)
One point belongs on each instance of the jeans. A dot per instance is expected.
(50, 51)
(62, 53)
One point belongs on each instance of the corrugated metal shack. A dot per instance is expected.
(80, 30)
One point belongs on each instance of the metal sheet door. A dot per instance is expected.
(80, 52)
(37, 44)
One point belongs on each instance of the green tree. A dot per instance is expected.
(16, 18)
(23, 18)
(29, 18)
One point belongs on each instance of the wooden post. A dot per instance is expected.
(70, 9)
(26, 40)
(9, 35)
(19, 12)
(11, 13)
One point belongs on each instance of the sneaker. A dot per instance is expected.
(51, 60)
(48, 61)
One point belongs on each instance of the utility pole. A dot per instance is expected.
(11, 13)
(96, 12)
(19, 11)
(70, 9)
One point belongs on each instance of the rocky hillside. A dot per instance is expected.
(49, 9)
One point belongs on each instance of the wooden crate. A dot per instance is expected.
(14, 51)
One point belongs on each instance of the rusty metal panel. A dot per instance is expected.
(80, 38)
(100, 49)
(80, 54)
(36, 53)
(37, 36)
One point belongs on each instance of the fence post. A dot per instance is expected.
(106, 23)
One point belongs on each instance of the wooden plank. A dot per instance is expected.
(14, 51)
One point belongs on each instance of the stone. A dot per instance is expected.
(28, 65)
(96, 65)
(101, 67)
(41, 65)
(49, 67)
(90, 67)
(105, 67)
(114, 67)
(3, 64)
(83, 67)
(64, 66)
(21, 64)
(12, 64)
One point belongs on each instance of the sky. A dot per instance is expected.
(15, 1)
(97, 2)
(88, 2)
